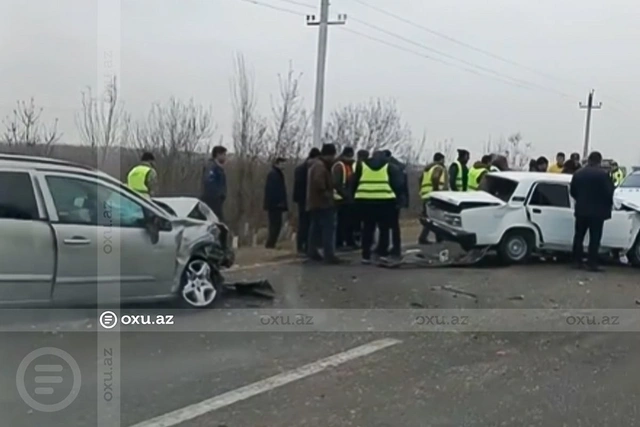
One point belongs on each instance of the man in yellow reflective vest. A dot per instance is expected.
(616, 174)
(434, 178)
(143, 178)
(477, 171)
(459, 172)
(341, 171)
(374, 185)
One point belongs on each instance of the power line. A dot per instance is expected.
(456, 41)
(297, 3)
(468, 63)
(431, 58)
(270, 6)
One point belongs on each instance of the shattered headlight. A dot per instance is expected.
(452, 219)
(214, 230)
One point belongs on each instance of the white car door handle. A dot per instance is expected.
(77, 240)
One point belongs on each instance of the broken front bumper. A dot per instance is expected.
(466, 239)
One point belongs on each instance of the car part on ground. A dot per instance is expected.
(417, 258)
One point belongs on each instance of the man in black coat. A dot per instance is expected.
(275, 201)
(300, 198)
(593, 193)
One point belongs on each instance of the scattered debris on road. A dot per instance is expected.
(517, 298)
(455, 292)
(259, 288)
(417, 258)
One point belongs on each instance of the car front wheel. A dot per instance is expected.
(199, 285)
(515, 247)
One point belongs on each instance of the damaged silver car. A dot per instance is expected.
(74, 235)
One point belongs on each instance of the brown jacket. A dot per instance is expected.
(319, 186)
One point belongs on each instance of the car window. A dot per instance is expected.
(83, 202)
(501, 188)
(632, 181)
(556, 195)
(17, 199)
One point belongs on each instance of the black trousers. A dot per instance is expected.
(396, 237)
(275, 226)
(424, 234)
(303, 229)
(378, 215)
(345, 227)
(322, 229)
(594, 226)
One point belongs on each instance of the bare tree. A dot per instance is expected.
(177, 133)
(25, 132)
(374, 125)
(103, 123)
(290, 131)
(249, 143)
(514, 148)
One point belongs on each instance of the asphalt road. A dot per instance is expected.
(378, 378)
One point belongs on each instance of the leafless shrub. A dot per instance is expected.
(249, 145)
(25, 133)
(177, 133)
(374, 125)
(103, 124)
(290, 131)
(514, 148)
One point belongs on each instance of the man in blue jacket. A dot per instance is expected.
(275, 201)
(214, 181)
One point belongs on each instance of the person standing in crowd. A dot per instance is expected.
(321, 206)
(499, 163)
(402, 202)
(592, 190)
(542, 163)
(573, 164)
(275, 201)
(358, 222)
(434, 178)
(300, 199)
(616, 174)
(459, 172)
(374, 186)
(342, 170)
(215, 182)
(477, 171)
(143, 178)
(558, 165)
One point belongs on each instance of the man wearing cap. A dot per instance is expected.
(459, 172)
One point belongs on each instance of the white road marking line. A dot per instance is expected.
(192, 411)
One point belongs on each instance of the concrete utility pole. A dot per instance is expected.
(587, 130)
(323, 23)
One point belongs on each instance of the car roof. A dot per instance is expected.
(34, 162)
(532, 177)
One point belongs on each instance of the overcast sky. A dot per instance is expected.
(185, 48)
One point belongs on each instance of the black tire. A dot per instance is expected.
(203, 292)
(634, 253)
(516, 246)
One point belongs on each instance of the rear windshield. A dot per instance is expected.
(631, 181)
(501, 188)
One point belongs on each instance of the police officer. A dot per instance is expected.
(616, 174)
(143, 178)
(434, 178)
(374, 185)
(477, 171)
(459, 172)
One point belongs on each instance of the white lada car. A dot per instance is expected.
(520, 213)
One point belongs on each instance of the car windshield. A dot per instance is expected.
(499, 187)
(632, 181)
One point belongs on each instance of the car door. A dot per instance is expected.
(27, 251)
(549, 209)
(105, 253)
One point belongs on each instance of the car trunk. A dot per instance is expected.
(456, 202)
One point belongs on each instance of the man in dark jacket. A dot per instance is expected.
(275, 201)
(321, 206)
(459, 172)
(214, 182)
(341, 171)
(572, 165)
(593, 193)
(402, 203)
(380, 211)
(300, 198)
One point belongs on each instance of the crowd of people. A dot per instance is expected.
(344, 200)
